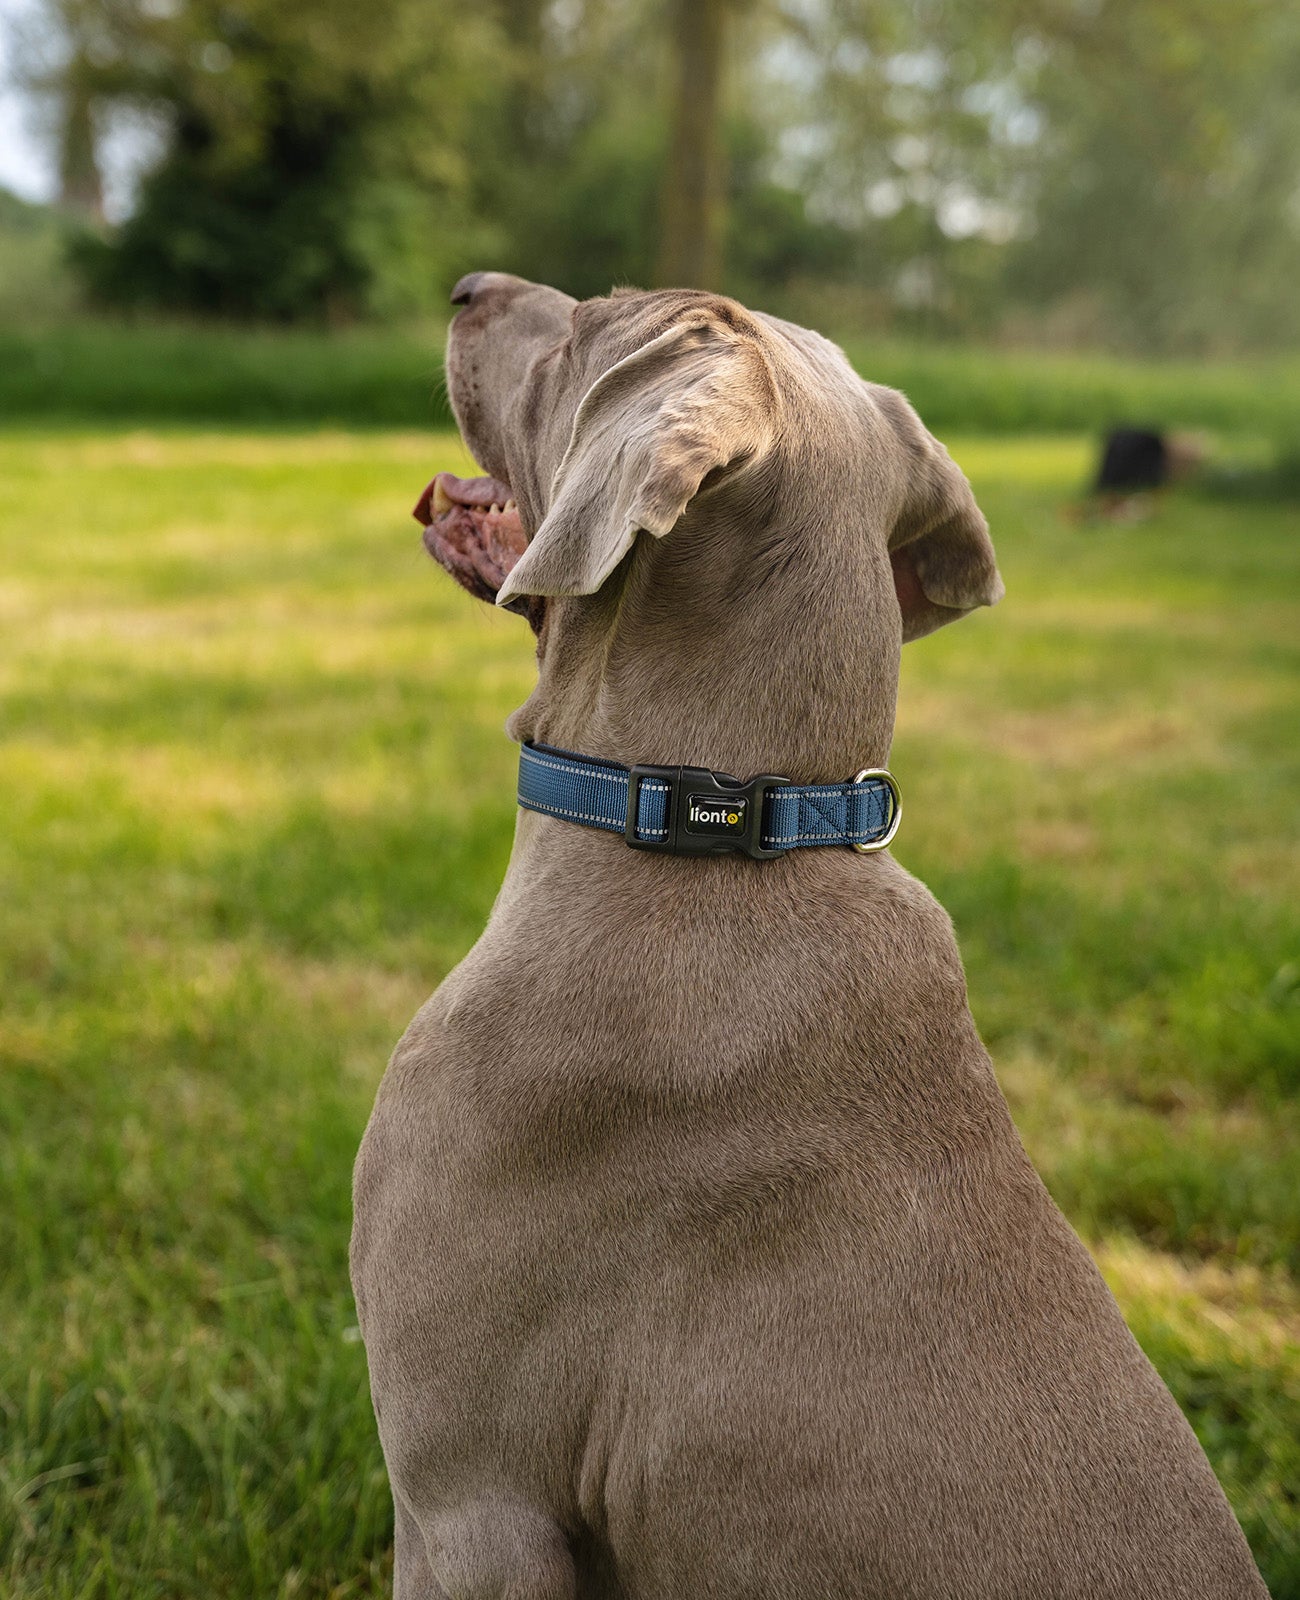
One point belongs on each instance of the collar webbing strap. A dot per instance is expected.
(693, 811)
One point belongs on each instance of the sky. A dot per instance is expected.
(25, 165)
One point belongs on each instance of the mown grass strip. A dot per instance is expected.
(164, 374)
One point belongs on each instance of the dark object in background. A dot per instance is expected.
(1136, 462)
(1132, 459)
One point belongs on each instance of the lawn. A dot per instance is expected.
(257, 800)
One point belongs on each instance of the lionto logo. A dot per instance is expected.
(711, 813)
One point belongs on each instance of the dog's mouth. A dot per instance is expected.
(472, 529)
(447, 491)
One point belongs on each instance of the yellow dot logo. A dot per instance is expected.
(733, 817)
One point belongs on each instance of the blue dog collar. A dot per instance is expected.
(690, 811)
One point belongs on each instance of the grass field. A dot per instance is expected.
(257, 801)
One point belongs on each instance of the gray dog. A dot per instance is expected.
(695, 1253)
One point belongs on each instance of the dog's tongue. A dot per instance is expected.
(447, 491)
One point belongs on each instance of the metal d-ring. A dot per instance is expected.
(895, 808)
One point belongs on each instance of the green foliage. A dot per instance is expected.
(772, 242)
(314, 160)
(247, 244)
(594, 226)
(258, 801)
(35, 286)
(370, 377)
(1165, 190)
(1014, 391)
(112, 372)
(1120, 175)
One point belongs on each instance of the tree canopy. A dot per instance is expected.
(1122, 170)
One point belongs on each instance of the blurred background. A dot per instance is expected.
(256, 796)
(1071, 172)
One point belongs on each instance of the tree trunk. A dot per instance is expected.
(692, 208)
(80, 186)
(521, 23)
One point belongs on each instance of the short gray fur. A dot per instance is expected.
(696, 1255)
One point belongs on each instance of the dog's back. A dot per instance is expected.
(744, 1311)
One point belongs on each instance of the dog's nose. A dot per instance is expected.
(467, 287)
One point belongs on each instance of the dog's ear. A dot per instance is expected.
(648, 432)
(939, 546)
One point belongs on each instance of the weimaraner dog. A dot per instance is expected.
(695, 1253)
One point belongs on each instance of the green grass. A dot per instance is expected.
(116, 373)
(81, 370)
(258, 800)
(993, 391)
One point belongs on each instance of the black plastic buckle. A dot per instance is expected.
(708, 813)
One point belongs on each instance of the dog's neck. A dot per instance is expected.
(720, 648)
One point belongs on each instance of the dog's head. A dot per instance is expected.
(674, 458)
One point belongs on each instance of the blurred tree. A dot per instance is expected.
(691, 217)
(1128, 170)
(1166, 185)
(586, 174)
(315, 161)
(566, 172)
(1124, 170)
(772, 244)
(81, 187)
(60, 58)
(905, 127)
